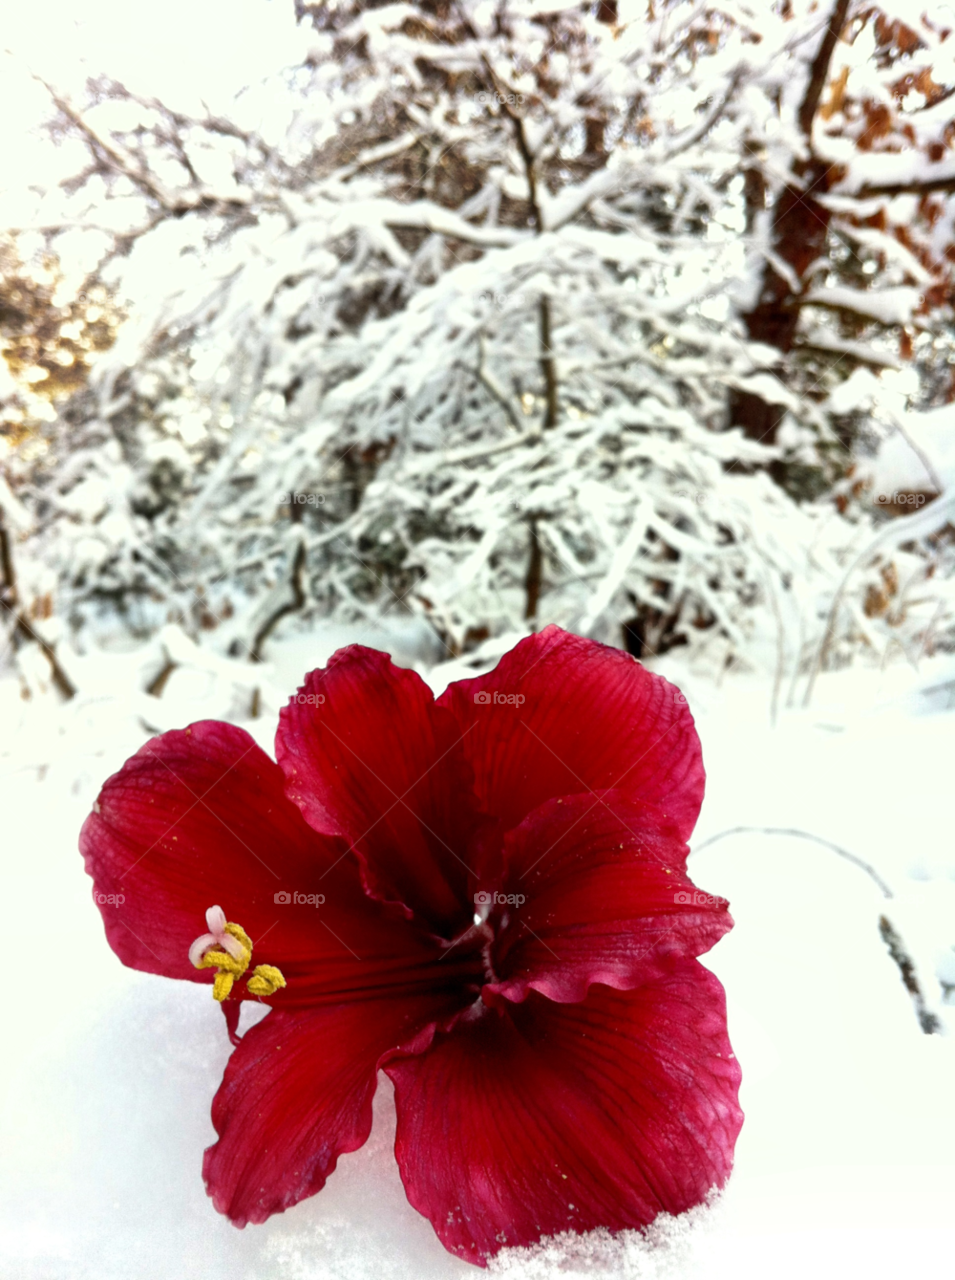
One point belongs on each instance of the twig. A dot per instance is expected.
(109, 153)
(803, 835)
(945, 182)
(290, 606)
(928, 1021)
(926, 461)
(486, 378)
(697, 134)
(900, 530)
(820, 66)
(534, 578)
(548, 367)
(158, 683)
(21, 628)
(546, 351)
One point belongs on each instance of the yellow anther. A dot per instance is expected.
(240, 935)
(229, 967)
(222, 960)
(266, 980)
(222, 985)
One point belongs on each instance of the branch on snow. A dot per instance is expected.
(111, 155)
(802, 835)
(927, 1020)
(547, 362)
(944, 182)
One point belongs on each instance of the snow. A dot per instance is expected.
(846, 1162)
(888, 306)
(896, 469)
(932, 434)
(857, 392)
(878, 168)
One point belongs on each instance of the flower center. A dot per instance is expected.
(227, 948)
(489, 974)
(477, 941)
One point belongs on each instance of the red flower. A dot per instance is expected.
(486, 897)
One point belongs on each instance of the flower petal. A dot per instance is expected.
(538, 1118)
(369, 757)
(200, 816)
(296, 1094)
(591, 718)
(601, 896)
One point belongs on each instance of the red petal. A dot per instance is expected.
(230, 1010)
(200, 817)
(540, 1117)
(377, 763)
(591, 718)
(297, 1094)
(605, 898)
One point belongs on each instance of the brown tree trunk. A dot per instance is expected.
(800, 227)
(534, 578)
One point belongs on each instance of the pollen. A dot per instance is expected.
(227, 948)
(265, 980)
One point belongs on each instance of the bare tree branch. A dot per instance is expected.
(928, 1021)
(820, 67)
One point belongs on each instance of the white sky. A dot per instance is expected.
(183, 51)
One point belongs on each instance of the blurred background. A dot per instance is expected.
(425, 325)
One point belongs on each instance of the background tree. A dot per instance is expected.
(858, 228)
(487, 334)
(48, 341)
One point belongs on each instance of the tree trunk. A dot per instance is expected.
(800, 228)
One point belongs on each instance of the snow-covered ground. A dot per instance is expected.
(846, 1162)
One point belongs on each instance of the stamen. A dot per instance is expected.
(265, 980)
(228, 949)
(222, 985)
